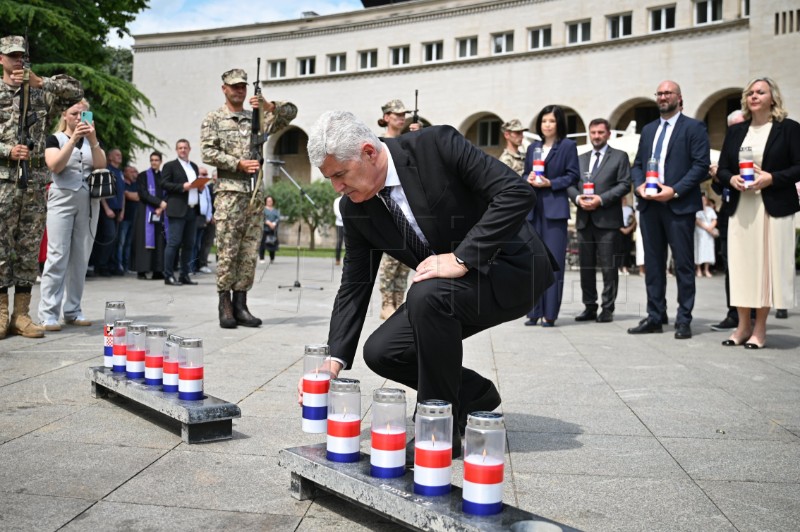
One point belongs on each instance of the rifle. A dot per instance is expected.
(25, 121)
(257, 136)
(415, 115)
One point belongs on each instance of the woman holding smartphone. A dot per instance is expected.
(71, 155)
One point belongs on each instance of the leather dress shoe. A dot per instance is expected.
(157, 276)
(185, 279)
(486, 402)
(664, 320)
(645, 327)
(725, 325)
(683, 331)
(170, 280)
(781, 314)
(587, 315)
(531, 322)
(605, 317)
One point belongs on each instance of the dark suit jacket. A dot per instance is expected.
(781, 159)
(561, 168)
(465, 202)
(173, 177)
(144, 195)
(685, 166)
(612, 181)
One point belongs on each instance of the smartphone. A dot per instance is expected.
(86, 116)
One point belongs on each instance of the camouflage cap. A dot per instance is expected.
(513, 125)
(394, 106)
(234, 76)
(11, 44)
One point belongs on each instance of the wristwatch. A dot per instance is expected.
(676, 196)
(461, 262)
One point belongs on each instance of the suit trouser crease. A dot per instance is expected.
(554, 235)
(596, 247)
(181, 235)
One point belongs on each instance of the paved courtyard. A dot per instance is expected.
(606, 431)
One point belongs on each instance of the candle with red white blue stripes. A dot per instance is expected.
(344, 421)
(746, 166)
(134, 354)
(190, 370)
(387, 457)
(484, 448)
(651, 178)
(120, 347)
(538, 164)
(115, 310)
(154, 356)
(172, 359)
(316, 383)
(433, 447)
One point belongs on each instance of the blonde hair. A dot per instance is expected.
(777, 111)
(62, 122)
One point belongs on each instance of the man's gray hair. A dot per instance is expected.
(340, 134)
(735, 117)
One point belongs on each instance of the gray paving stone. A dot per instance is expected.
(18, 419)
(573, 419)
(24, 512)
(66, 386)
(574, 394)
(332, 513)
(756, 505)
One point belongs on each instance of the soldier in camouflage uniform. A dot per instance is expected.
(512, 157)
(23, 212)
(225, 144)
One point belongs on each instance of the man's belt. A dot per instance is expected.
(34, 162)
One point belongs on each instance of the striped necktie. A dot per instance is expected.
(418, 247)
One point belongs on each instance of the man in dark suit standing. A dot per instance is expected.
(454, 214)
(183, 207)
(605, 178)
(680, 147)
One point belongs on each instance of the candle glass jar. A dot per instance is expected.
(388, 441)
(154, 355)
(484, 455)
(433, 447)
(115, 310)
(120, 347)
(344, 420)
(316, 383)
(190, 370)
(135, 351)
(172, 359)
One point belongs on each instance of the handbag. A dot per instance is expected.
(102, 184)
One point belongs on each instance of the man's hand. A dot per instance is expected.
(248, 166)
(20, 152)
(543, 182)
(665, 194)
(442, 266)
(34, 81)
(589, 203)
(331, 366)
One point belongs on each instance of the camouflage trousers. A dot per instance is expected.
(393, 275)
(22, 223)
(238, 235)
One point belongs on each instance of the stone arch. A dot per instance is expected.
(714, 111)
(640, 110)
(482, 128)
(290, 146)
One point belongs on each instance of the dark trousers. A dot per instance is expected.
(208, 241)
(662, 227)
(105, 244)
(596, 247)
(339, 241)
(420, 345)
(181, 236)
(554, 234)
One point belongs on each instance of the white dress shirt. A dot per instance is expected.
(194, 198)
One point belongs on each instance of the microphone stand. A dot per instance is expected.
(303, 194)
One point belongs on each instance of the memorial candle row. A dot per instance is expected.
(141, 352)
(340, 399)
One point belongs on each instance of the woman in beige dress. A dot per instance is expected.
(761, 227)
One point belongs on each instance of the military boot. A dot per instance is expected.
(240, 312)
(226, 319)
(387, 305)
(3, 315)
(21, 322)
(399, 297)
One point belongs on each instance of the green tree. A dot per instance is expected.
(69, 36)
(297, 208)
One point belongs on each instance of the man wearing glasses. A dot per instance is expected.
(680, 148)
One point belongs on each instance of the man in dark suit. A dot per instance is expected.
(606, 174)
(680, 146)
(455, 215)
(183, 207)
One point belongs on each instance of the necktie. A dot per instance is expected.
(596, 163)
(418, 247)
(660, 142)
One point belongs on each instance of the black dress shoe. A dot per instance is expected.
(488, 400)
(587, 315)
(170, 280)
(725, 325)
(157, 276)
(683, 331)
(782, 313)
(531, 322)
(664, 320)
(605, 317)
(185, 279)
(645, 327)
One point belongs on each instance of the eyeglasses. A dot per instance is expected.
(665, 94)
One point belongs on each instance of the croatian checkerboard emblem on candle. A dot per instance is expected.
(746, 166)
(344, 421)
(172, 359)
(190, 370)
(433, 447)
(316, 383)
(154, 356)
(135, 351)
(115, 310)
(538, 165)
(651, 177)
(120, 345)
(484, 450)
(387, 456)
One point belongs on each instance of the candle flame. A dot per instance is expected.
(433, 440)
(484, 454)
(344, 414)
(388, 428)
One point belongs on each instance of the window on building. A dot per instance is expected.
(337, 63)
(289, 143)
(277, 69)
(306, 66)
(468, 47)
(745, 8)
(707, 11)
(368, 59)
(662, 18)
(433, 51)
(399, 55)
(620, 26)
(489, 133)
(503, 43)
(578, 32)
(540, 38)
